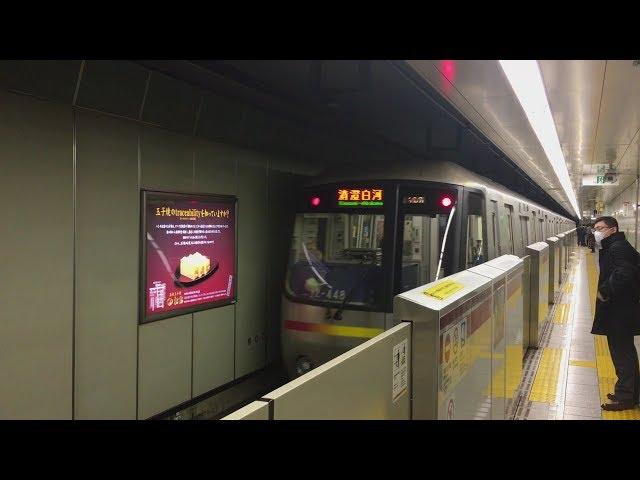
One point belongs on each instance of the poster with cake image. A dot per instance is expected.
(189, 253)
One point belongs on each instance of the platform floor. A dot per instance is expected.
(570, 374)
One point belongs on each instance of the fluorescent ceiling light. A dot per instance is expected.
(526, 82)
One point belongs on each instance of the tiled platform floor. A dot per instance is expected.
(568, 377)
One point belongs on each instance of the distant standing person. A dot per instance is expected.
(618, 311)
(580, 232)
(591, 240)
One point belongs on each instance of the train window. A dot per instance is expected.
(475, 241)
(509, 219)
(533, 227)
(524, 229)
(494, 228)
(422, 241)
(336, 258)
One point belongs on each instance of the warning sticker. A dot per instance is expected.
(443, 289)
(400, 368)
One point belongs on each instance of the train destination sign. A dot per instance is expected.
(189, 253)
(360, 197)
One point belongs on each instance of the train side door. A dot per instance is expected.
(423, 215)
(473, 221)
(494, 225)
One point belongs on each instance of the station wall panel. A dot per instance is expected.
(166, 160)
(171, 104)
(221, 119)
(165, 365)
(116, 87)
(36, 285)
(47, 79)
(215, 166)
(213, 348)
(253, 257)
(107, 232)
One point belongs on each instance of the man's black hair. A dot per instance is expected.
(608, 221)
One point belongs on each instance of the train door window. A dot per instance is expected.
(337, 257)
(524, 231)
(494, 228)
(475, 241)
(476, 249)
(510, 246)
(421, 243)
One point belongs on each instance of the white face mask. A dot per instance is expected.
(599, 236)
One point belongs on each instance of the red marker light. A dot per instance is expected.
(315, 201)
(446, 202)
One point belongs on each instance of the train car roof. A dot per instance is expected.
(429, 171)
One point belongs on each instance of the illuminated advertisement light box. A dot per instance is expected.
(360, 197)
(188, 253)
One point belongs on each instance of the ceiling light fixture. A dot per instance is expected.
(526, 81)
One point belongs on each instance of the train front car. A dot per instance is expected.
(355, 245)
(334, 296)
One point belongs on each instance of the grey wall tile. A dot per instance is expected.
(164, 365)
(107, 233)
(221, 119)
(166, 160)
(171, 103)
(36, 285)
(253, 256)
(213, 348)
(49, 79)
(113, 86)
(215, 167)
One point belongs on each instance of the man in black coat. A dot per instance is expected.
(579, 234)
(618, 311)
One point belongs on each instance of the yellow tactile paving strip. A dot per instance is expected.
(546, 381)
(606, 372)
(561, 314)
(568, 287)
(582, 363)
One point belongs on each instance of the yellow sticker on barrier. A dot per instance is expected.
(443, 289)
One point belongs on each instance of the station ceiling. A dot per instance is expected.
(463, 111)
(595, 105)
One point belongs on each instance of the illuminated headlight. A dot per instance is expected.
(303, 365)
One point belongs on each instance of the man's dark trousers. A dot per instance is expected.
(625, 359)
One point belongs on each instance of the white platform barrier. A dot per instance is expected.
(257, 410)
(369, 382)
(457, 354)
(554, 267)
(539, 281)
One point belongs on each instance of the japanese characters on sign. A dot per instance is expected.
(360, 197)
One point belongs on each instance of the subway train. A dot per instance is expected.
(362, 236)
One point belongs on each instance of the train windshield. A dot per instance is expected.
(336, 258)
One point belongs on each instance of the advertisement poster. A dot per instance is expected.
(189, 260)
